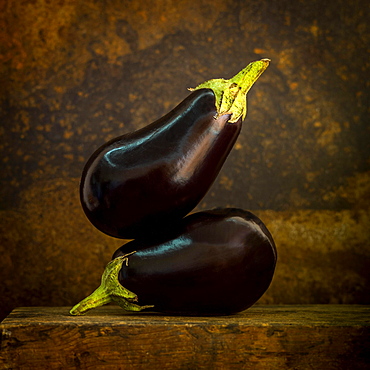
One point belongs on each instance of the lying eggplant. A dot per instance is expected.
(215, 263)
(158, 174)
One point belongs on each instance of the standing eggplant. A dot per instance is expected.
(214, 263)
(158, 174)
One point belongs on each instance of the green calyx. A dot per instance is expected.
(110, 290)
(231, 95)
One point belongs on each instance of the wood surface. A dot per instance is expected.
(263, 337)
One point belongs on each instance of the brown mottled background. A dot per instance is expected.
(77, 73)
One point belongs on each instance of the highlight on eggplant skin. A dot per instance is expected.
(216, 262)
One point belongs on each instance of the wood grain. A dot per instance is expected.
(263, 337)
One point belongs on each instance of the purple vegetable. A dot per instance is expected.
(214, 262)
(158, 174)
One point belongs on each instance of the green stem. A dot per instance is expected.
(231, 95)
(98, 298)
(110, 289)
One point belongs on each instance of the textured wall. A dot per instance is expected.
(77, 73)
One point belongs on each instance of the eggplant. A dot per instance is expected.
(215, 262)
(156, 175)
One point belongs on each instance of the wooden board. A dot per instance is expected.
(263, 337)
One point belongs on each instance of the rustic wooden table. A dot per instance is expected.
(263, 337)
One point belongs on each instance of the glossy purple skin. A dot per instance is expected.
(154, 176)
(215, 262)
